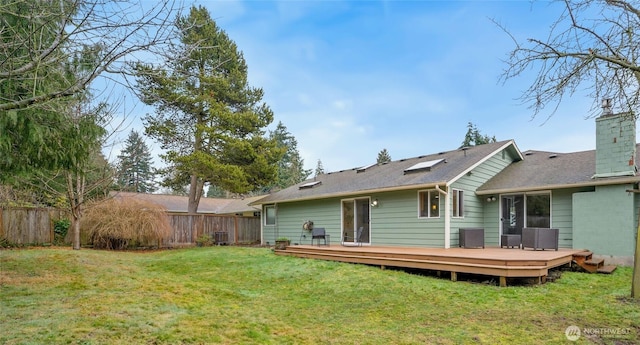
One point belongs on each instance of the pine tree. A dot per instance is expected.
(474, 138)
(207, 117)
(319, 168)
(291, 166)
(135, 166)
(383, 157)
(216, 192)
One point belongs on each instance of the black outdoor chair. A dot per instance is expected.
(357, 240)
(320, 234)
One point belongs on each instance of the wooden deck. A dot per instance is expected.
(492, 261)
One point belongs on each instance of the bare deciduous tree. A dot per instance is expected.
(37, 36)
(594, 45)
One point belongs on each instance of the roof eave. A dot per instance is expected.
(593, 183)
(351, 193)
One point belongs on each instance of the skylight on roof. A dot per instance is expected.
(309, 184)
(423, 165)
(364, 168)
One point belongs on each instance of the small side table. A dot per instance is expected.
(510, 241)
(471, 237)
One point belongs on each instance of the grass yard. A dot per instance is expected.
(233, 295)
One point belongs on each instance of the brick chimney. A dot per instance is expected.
(615, 144)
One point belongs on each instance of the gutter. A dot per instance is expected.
(342, 194)
(626, 180)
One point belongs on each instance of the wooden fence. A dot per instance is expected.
(21, 226)
(28, 225)
(187, 228)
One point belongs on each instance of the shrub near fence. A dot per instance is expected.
(23, 226)
(237, 229)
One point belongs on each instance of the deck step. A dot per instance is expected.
(595, 262)
(608, 269)
(584, 254)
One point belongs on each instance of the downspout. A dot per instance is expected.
(447, 216)
(277, 226)
(441, 191)
(263, 216)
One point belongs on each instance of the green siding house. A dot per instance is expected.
(424, 201)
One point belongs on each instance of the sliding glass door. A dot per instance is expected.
(525, 210)
(356, 215)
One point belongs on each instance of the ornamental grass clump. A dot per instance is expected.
(126, 223)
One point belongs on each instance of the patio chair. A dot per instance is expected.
(540, 238)
(357, 240)
(320, 234)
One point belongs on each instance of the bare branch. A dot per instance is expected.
(37, 37)
(591, 46)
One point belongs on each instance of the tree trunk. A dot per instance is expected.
(195, 192)
(75, 222)
(635, 281)
(75, 194)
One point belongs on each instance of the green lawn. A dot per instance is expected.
(234, 295)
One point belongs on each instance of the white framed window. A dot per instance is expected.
(428, 204)
(538, 210)
(457, 210)
(270, 215)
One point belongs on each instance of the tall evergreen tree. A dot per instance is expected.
(319, 169)
(291, 167)
(383, 157)
(29, 136)
(473, 137)
(88, 175)
(207, 117)
(135, 171)
(216, 192)
(58, 143)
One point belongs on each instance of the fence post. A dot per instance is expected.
(235, 229)
(2, 234)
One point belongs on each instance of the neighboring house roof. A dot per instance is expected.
(240, 205)
(419, 172)
(177, 203)
(540, 170)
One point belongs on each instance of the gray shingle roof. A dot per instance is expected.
(390, 176)
(177, 203)
(542, 170)
(240, 205)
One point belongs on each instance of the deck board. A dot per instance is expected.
(492, 261)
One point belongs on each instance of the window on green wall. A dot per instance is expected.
(539, 210)
(458, 204)
(270, 215)
(429, 204)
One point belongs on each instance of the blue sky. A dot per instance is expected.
(349, 78)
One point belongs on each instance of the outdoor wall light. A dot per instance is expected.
(491, 199)
(374, 203)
